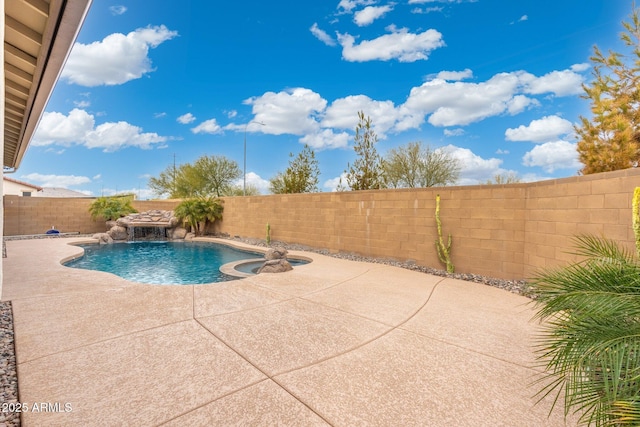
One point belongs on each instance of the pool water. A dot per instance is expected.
(161, 263)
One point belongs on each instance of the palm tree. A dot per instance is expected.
(198, 211)
(591, 341)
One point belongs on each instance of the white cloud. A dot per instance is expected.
(458, 103)
(552, 156)
(453, 132)
(322, 35)
(426, 10)
(208, 126)
(461, 103)
(519, 103)
(326, 138)
(455, 75)
(445, 102)
(543, 130)
(78, 129)
(56, 128)
(560, 83)
(82, 104)
(400, 44)
(578, 68)
(474, 169)
(343, 114)
(115, 136)
(369, 14)
(231, 113)
(117, 10)
(116, 59)
(159, 115)
(292, 111)
(51, 150)
(521, 19)
(186, 118)
(64, 181)
(348, 5)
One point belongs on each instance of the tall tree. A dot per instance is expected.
(611, 139)
(301, 176)
(217, 173)
(366, 172)
(414, 165)
(207, 176)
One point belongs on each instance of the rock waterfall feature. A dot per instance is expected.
(149, 225)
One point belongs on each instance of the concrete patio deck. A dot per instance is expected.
(334, 342)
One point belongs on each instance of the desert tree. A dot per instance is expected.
(207, 176)
(366, 173)
(414, 165)
(610, 140)
(301, 176)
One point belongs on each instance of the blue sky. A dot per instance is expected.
(495, 83)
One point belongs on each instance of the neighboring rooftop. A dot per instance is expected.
(59, 192)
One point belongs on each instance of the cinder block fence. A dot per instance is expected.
(505, 231)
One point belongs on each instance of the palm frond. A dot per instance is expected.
(625, 412)
(590, 345)
(593, 247)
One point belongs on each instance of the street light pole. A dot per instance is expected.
(244, 167)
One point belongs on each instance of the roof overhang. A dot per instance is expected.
(38, 36)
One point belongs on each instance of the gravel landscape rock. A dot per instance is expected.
(519, 287)
(8, 375)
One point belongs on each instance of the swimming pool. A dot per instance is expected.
(162, 263)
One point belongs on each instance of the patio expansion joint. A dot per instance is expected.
(268, 377)
(65, 293)
(105, 340)
(510, 362)
(367, 342)
(214, 400)
(538, 370)
(317, 291)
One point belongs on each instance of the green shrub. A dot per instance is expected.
(111, 208)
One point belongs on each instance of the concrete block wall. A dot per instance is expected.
(36, 215)
(559, 210)
(505, 231)
(486, 224)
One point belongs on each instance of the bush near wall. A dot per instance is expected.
(505, 231)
